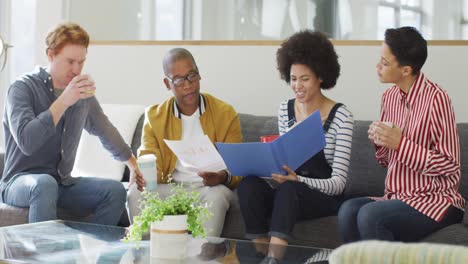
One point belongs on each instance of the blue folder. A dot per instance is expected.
(262, 159)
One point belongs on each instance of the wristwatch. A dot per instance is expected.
(228, 178)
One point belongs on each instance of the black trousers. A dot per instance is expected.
(284, 205)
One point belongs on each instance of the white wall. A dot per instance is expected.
(246, 76)
(5, 33)
(46, 17)
(107, 19)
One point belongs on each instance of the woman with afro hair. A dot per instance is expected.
(307, 61)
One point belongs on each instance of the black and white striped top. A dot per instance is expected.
(337, 149)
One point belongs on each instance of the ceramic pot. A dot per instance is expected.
(169, 237)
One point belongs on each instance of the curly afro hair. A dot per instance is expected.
(313, 49)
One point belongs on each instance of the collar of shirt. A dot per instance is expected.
(201, 107)
(417, 87)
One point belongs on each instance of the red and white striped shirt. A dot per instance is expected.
(425, 171)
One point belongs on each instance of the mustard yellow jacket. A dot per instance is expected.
(219, 121)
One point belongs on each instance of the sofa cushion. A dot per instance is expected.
(456, 234)
(463, 133)
(92, 160)
(366, 177)
(11, 215)
(136, 142)
(255, 126)
(321, 232)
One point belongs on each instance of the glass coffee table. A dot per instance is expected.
(73, 242)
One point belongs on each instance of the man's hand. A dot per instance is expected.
(135, 174)
(386, 136)
(292, 176)
(80, 87)
(213, 178)
(137, 177)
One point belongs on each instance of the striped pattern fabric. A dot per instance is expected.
(337, 149)
(370, 252)
(322, 255)
(425, 171)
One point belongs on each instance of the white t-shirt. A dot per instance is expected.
(191, 130)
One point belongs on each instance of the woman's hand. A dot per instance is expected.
(387, 136)
(371, 131)
(291, 176)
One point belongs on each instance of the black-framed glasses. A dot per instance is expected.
(179, 81)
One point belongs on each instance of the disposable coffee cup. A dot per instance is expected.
(147, 166)
(88, 76)
(268, 138)
(389, 124)
(89, 79)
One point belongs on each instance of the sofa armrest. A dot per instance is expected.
(397, 252)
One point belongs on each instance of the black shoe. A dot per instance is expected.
(260, 255)
(210, 251)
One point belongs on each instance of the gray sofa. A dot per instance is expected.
(366, 178)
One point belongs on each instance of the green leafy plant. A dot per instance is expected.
(180, 202)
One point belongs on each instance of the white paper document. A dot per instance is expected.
(197, 155)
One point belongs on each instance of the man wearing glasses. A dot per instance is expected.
(188, 115)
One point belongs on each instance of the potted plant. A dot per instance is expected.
(170, 220)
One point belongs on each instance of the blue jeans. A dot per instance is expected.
(42, 194)
(365, 219)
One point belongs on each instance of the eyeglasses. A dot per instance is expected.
(179, 81)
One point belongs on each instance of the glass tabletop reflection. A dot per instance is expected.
(73, 242)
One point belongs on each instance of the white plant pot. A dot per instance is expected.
(169, 237)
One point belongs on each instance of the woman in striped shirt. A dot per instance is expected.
(308, 62)
(417, 139)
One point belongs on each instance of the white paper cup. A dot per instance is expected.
(147, 166)
(377, 140)
(389, 124)
(88, 76)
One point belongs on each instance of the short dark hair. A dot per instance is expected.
(177, 54)
(313, 49)
(408, 46)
